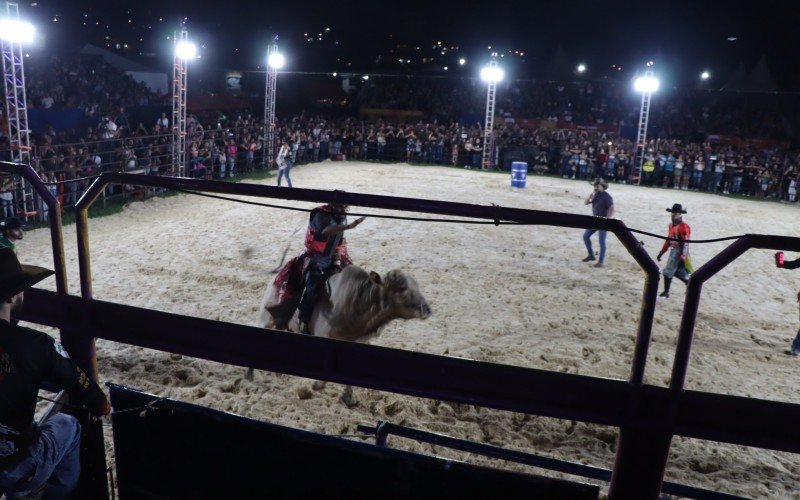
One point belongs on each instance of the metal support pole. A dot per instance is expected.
(641, 135)
(16, 110)
(491, 92)
(269, 105)
(179, 67)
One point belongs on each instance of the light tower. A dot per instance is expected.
(14, 33)
(491, 74)
(646, 84)
(275, 61)
(184, 50)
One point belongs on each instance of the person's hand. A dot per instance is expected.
(356, 222)
(660, 254)
(683, 258)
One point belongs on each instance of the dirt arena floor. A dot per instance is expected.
(518, 296)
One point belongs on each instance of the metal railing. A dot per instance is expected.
(648, 416)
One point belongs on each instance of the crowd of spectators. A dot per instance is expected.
(83, 82)
(675, 113)
(228, 143)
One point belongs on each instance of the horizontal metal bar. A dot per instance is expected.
(388, 428)
(730, 419)
(385, 428)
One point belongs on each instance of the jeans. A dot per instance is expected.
(796, 343)
(737, 185)
(697, 178)
(315, 271)
(231, 164)
(54, 459)
(587, 240)
(285, 173)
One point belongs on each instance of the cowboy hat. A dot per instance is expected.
(15, 277)
(600, 181)
(11, 223)
(676, 209)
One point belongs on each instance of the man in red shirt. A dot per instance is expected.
(678, 265)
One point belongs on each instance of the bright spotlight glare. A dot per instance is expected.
(365, 77)
(705, 75)
(462, 61)
(646, 84)
(581, 68)
(16, 31)
(276, 60)
(186, 50)
(492, 74)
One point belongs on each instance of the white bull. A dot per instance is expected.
(354, 305)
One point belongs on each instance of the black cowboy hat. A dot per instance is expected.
(16, 277)
(676, 209)
(11, 223)
(600, 181)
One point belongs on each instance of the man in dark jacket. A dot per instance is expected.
(602, 206)
(46, 457)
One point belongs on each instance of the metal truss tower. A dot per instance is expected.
(17, 112)
(488, 129)
(641, 135)
(269, 104)
(179, 67)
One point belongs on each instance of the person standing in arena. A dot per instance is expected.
(678, 263)
(284, 162)
(792, 264)
(44, 458)
(602, 206)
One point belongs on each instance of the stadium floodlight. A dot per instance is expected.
(648, 84)
(705, 75)
(581, 68)
(462, 61)
(186, 50)
(276, 60)
(492, 74)
(15, 31)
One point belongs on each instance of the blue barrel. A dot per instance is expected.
(519, 173)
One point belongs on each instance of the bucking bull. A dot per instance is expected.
(352, 305)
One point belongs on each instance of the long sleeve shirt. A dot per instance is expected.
(791, 264)
(680, 231)
(28, 358)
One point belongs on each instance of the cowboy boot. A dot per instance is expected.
(667, 283)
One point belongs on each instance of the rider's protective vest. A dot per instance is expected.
(320, 218)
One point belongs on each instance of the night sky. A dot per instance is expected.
(682, 37)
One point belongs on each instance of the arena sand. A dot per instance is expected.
(517, 296)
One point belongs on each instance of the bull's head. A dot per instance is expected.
(404, 295)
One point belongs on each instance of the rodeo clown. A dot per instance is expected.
(678, 263)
